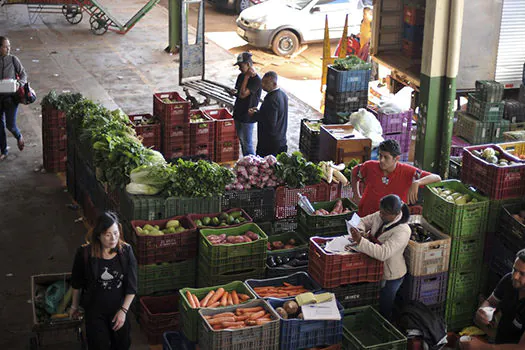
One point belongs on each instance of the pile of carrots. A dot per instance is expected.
(287, 290)
(217, 298)
(243, 317)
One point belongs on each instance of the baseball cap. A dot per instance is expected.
(244, 57)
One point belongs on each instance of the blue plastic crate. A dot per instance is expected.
(301, 334)
(176, 341)
(343, 81)
(298, 278)
(413, 33)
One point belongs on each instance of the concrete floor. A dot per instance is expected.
(116, 70)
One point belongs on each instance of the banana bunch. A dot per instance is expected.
(472, 330)
(333, 173)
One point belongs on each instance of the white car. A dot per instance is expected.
(283, 25)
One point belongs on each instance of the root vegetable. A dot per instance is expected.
(291, 307)
(224, 299)
(235, 297)
(217, 296)
(207, 298)
(282, 312)
(190, 299)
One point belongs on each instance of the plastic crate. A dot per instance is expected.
(474, 131)
(321, 223)
(202, 132)
(150, 133)
(395, 122)
(286, 198)
(175, 113)
(232, 265)
(346, 101)
(413, 33)
(463, 284)
(428, 258)
(134, 207)
(498, 130)
(166, 276)
(466, 253)
(454, 169)
(310, 153)
(53, 140)
(514, 149)
(456, 220)
(490, 90)
(343, 81)
(497, 182)
(158, 315)
(206, 279)
(190, 316)
(226, 150)
(456, 149)
(264, 337)
(333, 270)
(411, 49)
(430, 289)
(296, 279)
(285, 225)
(195, 217)
(285, 237)
(357, 294)
(503, 251)
(365, 328)
(202, 151)
(176, 341)
(258, 203)
(459, 313)
(413, 15)
(224, 124)
(55, 162)
(281, 271)
(509, 224)
(514, 111)
(168, 247)
(485, 111)
(301, 334)
(310, 136)
(184, 205)
(438, 310)
(402, 138)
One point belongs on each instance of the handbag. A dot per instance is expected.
(25, 94)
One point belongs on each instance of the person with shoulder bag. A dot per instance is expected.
(10, 68)
(104, 281)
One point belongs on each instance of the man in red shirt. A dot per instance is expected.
(388, 176)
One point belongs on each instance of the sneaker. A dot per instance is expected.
(3, 157)
(21, 143)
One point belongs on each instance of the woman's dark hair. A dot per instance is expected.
(392, 204)
(390, 146)
(2, 39)
(103, 223)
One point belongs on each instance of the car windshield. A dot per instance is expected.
(297, 4)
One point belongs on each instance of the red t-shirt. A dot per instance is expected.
(377, 185)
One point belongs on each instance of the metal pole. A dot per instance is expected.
(454, 49)
(174, 9)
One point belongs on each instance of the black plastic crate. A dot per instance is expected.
(514, 111)
(285, 225)
(346, 101)
(257, 203)
(343, 81)
(357, 294)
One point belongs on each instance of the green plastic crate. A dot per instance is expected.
(498, 129)
(307, 233)
(485, 111)
(460, 313)
(185, 205)
(204, 279)
(365, 328)
(466, 253)
(489, 90)
(134, 207)
(495, 212)
(455, 220)
(285, 237)
(474, 131)
(166, 276)
(217, 254)
(233, 264)
(320, 222)
(190, 316)
(464, 284)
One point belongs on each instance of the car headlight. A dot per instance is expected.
(258, 25)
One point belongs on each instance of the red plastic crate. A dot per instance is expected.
(174, 151)
(224, 124)
(150, 133)
(201, 132)
(411, 49)
(168, 247)
(54, 139)
(334, 270)
(334, 190)
(176, 113)
(456, 149)
(396, 122)
(286, 198)
(205, 150)
(226, 151)
(413, 15)
(52, 118)
(158, 315)
(494, 181)
(55, 160)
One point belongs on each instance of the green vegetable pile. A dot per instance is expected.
(347, 172)
(296, 171)
(351, 63)
(61, 102)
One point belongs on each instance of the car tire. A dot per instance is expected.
(241, 5)
(285, 43)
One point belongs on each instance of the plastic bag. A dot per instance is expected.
(368, 125)
(397, 103)
(54, 294)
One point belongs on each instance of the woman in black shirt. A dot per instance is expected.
(105, 270)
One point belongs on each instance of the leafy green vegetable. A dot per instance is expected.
(142, 189)
(347, 172)
(155, 174)
(351, 63)
(296, 171)
(61, 102)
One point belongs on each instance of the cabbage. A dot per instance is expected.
(156, 175)
(154, 157)
(142, 189)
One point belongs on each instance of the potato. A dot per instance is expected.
(300, 316)
(291, 307)
(278, 245)
(253, 236)
(282, 312)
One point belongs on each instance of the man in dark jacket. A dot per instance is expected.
(272, 118)
(248, 93)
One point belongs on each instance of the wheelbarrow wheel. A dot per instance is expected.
(72, 13)
(99, 25)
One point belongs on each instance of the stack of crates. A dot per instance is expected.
(355, 279)
(346, 92)
(309, 139)
(325, 226)
(398, 126)
(226, 140)
(483, 121)
(54, 139)
(173, 112)
(202, 135)
(224, 263)
(413, 28)
(148, 129)
(159, 314)
(427, 262)
(466, 224)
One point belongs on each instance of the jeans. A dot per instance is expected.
(245, 134)
(388, 295)
(8, 110)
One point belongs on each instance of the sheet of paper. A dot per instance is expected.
(337, 245)
(321, 311)
(353, 222)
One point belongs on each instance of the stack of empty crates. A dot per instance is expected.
(54, 139)
(483, 121)
(413, 27)
(515, 110)
(226, 140)
(398, 126)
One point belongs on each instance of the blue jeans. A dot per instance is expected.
(245, 134)
(388, 295)
(8, 110)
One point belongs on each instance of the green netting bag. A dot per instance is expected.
(55, 294)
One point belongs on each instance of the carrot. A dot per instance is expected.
(236, 327)
(207, 298)
(224, 299)
(230, 299)
(190, 299)
(287, 284)
(243, 297)
(215, 304)
(257, 314)
(227, 324)
(224, 314)
(217, 296)
(256, 322)
(215, 321)
(250, 309)
(196, 300)
(235, 297)
(242, 317)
